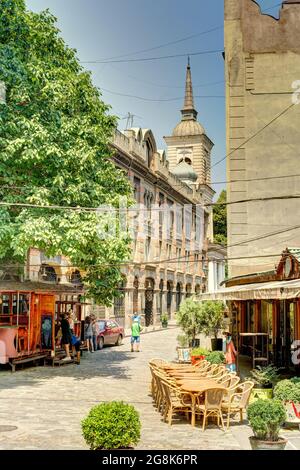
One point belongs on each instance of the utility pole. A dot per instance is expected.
(129, 123)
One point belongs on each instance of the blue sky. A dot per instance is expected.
(101, 29)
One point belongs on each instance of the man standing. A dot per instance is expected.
(136, 333)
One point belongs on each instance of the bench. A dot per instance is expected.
(25, 359)
(57, 361)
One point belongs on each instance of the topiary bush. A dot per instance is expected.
(288, 390)
(216, 357)
(265, 418)
(114, 425)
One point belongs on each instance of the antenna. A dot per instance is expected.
(129, 123)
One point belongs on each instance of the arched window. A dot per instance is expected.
(76, 278)
(47, 273)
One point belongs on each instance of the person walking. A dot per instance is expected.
(95, 330)
(66, 339)
(88, 334)
(231, 353)
(135, 333)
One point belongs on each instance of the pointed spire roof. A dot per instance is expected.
(188, 125)
(189, 111)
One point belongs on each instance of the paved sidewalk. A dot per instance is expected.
(47, 404)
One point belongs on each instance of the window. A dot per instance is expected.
(159, 250)
(171, 218)
(178, 256)
(161, 203)
(147, 248)
(187, 258)
(137, 189)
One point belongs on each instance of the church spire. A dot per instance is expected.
(189, 112)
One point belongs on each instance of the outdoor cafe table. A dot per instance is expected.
(195, 389)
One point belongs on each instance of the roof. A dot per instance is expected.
(184, 171)
(187, 128)
(267, 290)
(29, 286)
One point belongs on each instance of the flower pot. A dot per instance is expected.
(184, 354)
(216, 344)
(164, 324)
(261, 394)
(196, 359)
(257, 444)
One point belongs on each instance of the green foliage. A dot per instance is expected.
(114, 425)
(199, 352)
(164, 318)
(215, 357)
(265, 418)
(220, 220)
(288, 390)
(265, 376)
(183, 341)
(54, 150)
(189, 318)
(212, 317)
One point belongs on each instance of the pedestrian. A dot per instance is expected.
(66, 339)
(88, 334)
(231, 353)
(95, 329)
(71, 320)
(135, 333)
(76, 343)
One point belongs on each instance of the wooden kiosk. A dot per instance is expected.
(26, 326)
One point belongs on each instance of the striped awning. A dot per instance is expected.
(265, 290)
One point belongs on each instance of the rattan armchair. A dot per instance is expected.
(177, 401)
(211, 406)
(237, 400)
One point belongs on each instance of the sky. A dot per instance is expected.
(102, 29)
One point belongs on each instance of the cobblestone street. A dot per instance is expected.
(47, 404)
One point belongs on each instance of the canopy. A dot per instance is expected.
(265, 290)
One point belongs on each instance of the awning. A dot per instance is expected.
(265, 290)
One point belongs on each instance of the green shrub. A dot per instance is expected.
(264, 376)
(199, 352)
(183, 341)
(265, 418)
(215, 357)
(114, 425)
(164, 318)
(288, 390)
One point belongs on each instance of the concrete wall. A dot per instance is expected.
(262, 57)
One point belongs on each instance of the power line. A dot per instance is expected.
(160, 100)
(176, 41)
(255, 134)
(150, 59)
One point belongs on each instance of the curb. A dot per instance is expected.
(154, 330)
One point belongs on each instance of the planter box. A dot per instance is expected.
(196, 359)
(256, 444)
(260, 394)
(184, 354)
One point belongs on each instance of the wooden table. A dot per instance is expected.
(195, 389)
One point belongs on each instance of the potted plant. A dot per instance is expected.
(164, 320)
(198, 354)
(265, 418)
(183, 350)
(264, 379)
(114, 425)
(216, 357)
(288, 392)
(189, 318)
(212, 322)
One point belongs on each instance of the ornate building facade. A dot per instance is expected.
(172, 231)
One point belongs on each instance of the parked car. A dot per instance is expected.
(110, 333)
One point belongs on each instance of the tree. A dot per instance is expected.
(220, 220)
(54, 150)
(189, 318)
(212, 317)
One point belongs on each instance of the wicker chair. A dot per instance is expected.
(237, 400)
(211, 406)
(177, 401)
